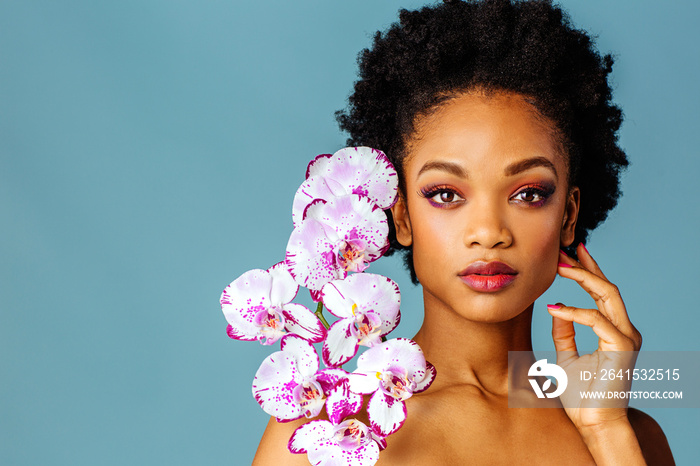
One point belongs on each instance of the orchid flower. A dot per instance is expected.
(368, 308)
(392, 372)
(350, 442)
(353, 170)
(335, 237)
(288, 384)
(257, 307)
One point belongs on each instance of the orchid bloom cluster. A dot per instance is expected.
(339, 227)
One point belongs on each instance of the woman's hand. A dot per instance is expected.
(618, 342)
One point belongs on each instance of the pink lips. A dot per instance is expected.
(488, 276)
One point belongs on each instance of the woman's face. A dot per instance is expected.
(487, 205)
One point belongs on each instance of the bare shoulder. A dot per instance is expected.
(651, 438)
(273, 450)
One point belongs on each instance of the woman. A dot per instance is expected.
(499, 121)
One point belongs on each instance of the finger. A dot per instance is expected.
(610, 338)
(606, 295)
(567, 259)
(591, 266)
(563, 334)
(587, 260)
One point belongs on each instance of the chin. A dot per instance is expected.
(496, 314)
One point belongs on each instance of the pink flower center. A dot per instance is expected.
(351, 434)
(351, 255)
(366, 327)
(271, 323)
(395, 383)
(309, 396)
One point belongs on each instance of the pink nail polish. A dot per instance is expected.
(561, 264)
(553, 306)
(585, 249)
(562, 251)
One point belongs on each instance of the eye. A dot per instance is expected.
(444, 197)
(529, 195)
(533, 195)
(440, 196)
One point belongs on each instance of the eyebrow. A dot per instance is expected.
(526, 164)
(449, 167)
(513, 169)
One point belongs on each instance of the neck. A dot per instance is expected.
(469, 352)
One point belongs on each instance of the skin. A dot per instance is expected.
(485, 180)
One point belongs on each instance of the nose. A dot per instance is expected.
(486, 226)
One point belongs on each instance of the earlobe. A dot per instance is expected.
(402, 222)
(568, 227)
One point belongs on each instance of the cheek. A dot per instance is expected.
(433, 241)
(546, 241)
(543, 244)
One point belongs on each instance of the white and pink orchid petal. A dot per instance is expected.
(336, 299)
(301, 321)
(315, 295)
(330, 454)
(381, 441)
(430, 373)
(245, 297)
(355, 219)
(318, 164)
(364, 382)
(340, 345)
(315, 211)
(365, 455)
(350, 443)
(400, 352)
(373, 233)
(310, 256)
(303, 352)
(329, 378)
(371, 292)
(236, 334)
(283, 288)
(308, 436)
(274, 385)
(386, 414)
(361, 170)
(341, 403)
(326, 453)
(310, 190)
(383, 297)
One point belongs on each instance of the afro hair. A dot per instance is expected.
(524, 47)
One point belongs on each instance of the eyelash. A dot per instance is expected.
(429, 192)
(543, 191)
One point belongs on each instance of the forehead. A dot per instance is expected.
(490, 130)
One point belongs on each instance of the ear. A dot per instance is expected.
(402, 222)
(570, 216)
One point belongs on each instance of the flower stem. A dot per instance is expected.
(319, 314)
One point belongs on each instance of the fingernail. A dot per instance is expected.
(561, 264)
(553, 307)
(562, 251)
(584, 248)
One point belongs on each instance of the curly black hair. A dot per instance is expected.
(524, 47)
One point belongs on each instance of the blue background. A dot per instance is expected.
(149, 152)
